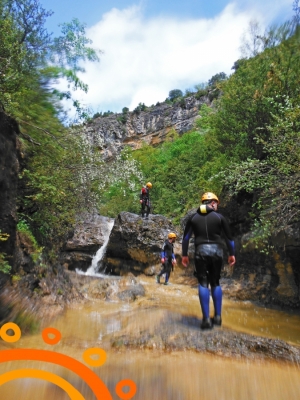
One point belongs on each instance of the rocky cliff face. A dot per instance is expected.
(9, 168)
(272, 278)
(110, 134)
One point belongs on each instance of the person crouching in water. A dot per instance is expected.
(145, 199)
(168, 259)
(207, 226)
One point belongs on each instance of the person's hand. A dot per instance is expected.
(162, 260)
(231, 260)
(174, 261)
(185, 261)
(141, 201)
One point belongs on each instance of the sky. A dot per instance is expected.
(152, 47)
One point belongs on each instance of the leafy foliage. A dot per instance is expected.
(174, 94)
(29, 57)
(175, 170)
(119, 184)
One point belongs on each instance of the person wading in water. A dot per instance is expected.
(207, 226)
(168, 259)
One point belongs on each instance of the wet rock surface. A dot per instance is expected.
(88, 236)
(135, 244)
(167, 319)
(125, 289)
(178, 332)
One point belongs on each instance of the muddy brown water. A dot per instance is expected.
(173, 375)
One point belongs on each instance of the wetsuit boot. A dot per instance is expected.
(204, 302)
(167, 279)
(216, 294)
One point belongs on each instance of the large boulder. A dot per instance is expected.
(135, 244)
(89, 235)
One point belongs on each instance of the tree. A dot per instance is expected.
(214, 80)
(28, 54)
(174, 94)
(251, 43)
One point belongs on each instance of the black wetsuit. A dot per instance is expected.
(207, 226)
(145, 197)
(167, 253)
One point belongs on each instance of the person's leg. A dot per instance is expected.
(201, 265)
(168, 271)
(147, 210)
(162, 271)
(204, 294)
(216, 290)
(167, 278)
(143, 209)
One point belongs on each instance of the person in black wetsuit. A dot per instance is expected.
(145, 199)
(168, 259)
(207, 226)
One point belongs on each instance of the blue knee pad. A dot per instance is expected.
(204, 300)
(216, 294)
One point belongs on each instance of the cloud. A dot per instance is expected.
(144, 58)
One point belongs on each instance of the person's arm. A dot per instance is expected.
(188, 231)
(163, 254)
(229, 241)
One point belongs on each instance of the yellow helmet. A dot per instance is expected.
(172, 235)
(209, 196)
(149, 185)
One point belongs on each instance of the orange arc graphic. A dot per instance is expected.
(73, 393)
(95, 383)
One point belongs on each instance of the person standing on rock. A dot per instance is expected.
(207, 225)
(145, 199)
(168, 259)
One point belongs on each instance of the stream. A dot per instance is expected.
(159, 374)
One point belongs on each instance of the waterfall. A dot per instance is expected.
(92, 270)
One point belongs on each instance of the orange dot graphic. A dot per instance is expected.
(121, 385)
(13, 327)
(94, 351)
(93, 381)
(51, 331)
(73, 393)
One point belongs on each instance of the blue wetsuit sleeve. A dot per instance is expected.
(163, 254)
(230, 246)
(228, 237)
(186, 238)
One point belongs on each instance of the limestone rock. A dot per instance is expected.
(109, 134)
(89, 235)
(135, 244)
